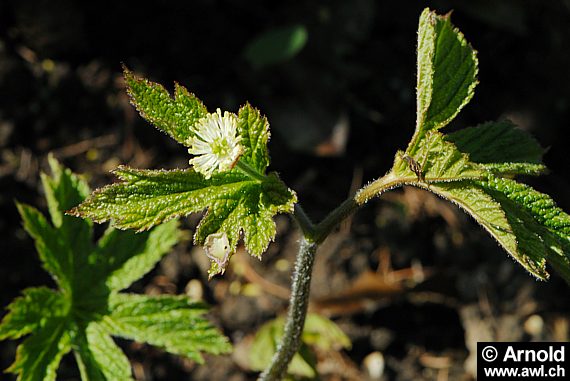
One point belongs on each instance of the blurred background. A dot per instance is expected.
(411, 280)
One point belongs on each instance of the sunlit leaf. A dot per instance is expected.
(170, 322)
(446, 74)
(501, 148)
(235, 203)
(175, 116)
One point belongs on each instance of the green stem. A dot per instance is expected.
(351, 204)
(305, 223)
(381, 185)
(297, 312)
(323, 229)
(249, 171)
(312, 237)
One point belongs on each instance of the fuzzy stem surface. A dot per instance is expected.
(296, 315)
(313, 235)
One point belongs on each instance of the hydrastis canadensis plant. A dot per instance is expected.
(87, 308)
(475, 168)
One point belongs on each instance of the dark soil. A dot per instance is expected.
(409, 277)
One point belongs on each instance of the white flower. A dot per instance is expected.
(216, 144)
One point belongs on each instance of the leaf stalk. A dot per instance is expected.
(249, 171)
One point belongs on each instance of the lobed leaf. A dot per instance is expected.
(253, 128)
(235, 203)
(89, 277)
(249, 209)
(446, 74)
(63, 190)
(38, 357)
(104, 356)
(174, 116)
(239, 201)
(55, 255)
(31, 311)
(171, 322)
(125, 256)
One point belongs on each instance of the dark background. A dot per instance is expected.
(61, 91)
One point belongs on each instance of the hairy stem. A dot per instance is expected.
(305, 224)
(351, 204)
(323, 229)
(313, 235)
(297, 312)
(381, 185)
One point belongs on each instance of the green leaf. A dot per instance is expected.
(489, 214)
(249, 209)
(38, 357)
(473, 167)
(264, 347)
(446, 76)
(318, 331)
(235, 203)
(526, 223)
(89, 277)
(54, 254)
(253, 128)
(170, 322)
(437, 160)
(543, 229)
(324, 333)
(146, 198)
(127, 256)
(276, 45)
(239, 202)
(88, 367)
(31, 311)
(57, 244)
(501, 148)
(175, 116)
(101, 357)
(497, 149)
(63, 190)
(304, 363)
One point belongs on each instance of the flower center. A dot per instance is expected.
(221, 147)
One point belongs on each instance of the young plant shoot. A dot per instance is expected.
(475, 168)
